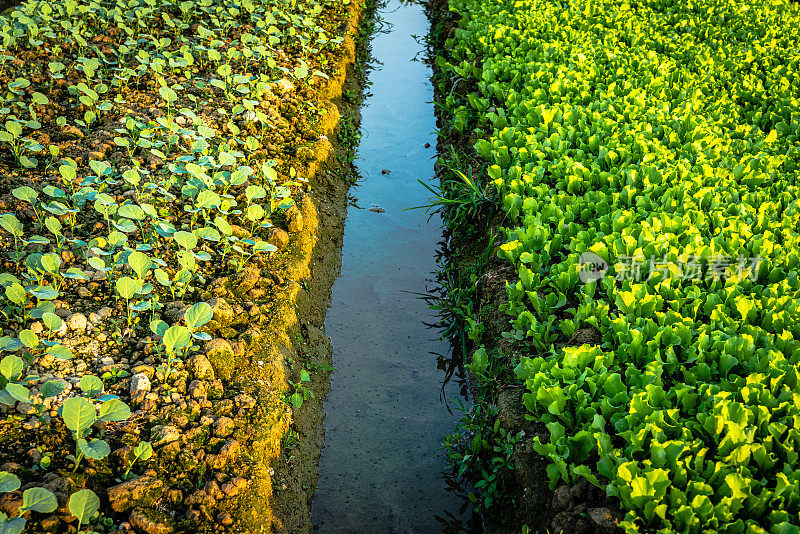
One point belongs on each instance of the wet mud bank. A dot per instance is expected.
(309, 350)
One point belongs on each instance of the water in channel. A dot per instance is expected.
(380, 469)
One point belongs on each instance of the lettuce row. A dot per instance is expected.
(660, 129)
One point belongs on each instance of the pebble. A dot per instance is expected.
(163, 434)
(140, 382)
(201, 367)
(143, 490)
(224, 427)
(77, 322)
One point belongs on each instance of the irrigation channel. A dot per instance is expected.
(380, 469)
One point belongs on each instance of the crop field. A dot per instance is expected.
(155, 167)
(645, 159)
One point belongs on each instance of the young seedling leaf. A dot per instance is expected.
(16, 294)
(8, 482)
(198, 315)
(96, 449)
(19, 392)
(52, 321)
(127, 287)
(84, 504)
(91, 386)
(114, 410)
(11, 367)
(38, 500)
(79, 415)
(177, 337)
(52, 388)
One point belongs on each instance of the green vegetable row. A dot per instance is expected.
(650, 129)
(141, 143)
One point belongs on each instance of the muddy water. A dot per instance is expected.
(380, 470)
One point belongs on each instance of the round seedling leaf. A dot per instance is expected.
(51, 262)
(140, 263)
(91, 385)
(60, 351)
(19, 392)
(29, 339)
(12, 526)
(263, 246)
(67, 172)
(143, 451)
(78, 414)
(127, 287)
(10, 482)
(254, 192)
(16, 294)
(187, 240)
(96, 449)
(114, 410)
(44, 292)
(25, 193)
(158, 327)
(54, 225)
(52, 321)
(168, 94)
(83, 504)
(38, 500)
(177, 337)
(52, 388)
(11, 367)
(198, 315)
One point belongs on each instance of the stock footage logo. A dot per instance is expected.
(591, 267)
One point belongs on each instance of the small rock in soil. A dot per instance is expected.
(561, 498)
(201, 367)
(140, 491)
(220, 353)
(77, 322)
(224, 427)
(223, 314)
(294, 219)
(72, 132)
(151, 522)
(140, 382)
(163, 434)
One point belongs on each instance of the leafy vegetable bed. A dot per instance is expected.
(662, 137)
(155, 168)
